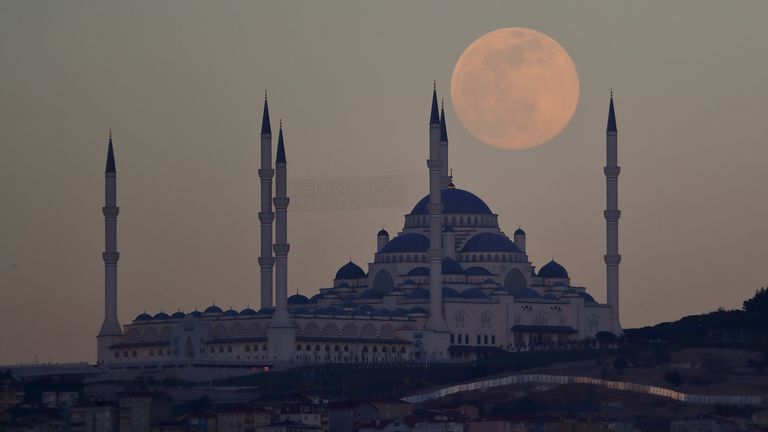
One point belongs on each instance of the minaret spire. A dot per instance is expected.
(445, 177)
(612, 215)
(110, 327)
(436, 320)
(281, 332)
(266, 216)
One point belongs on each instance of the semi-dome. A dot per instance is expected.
(455, 201)
(297, 299)
(418, 271)
(178, 315)
(161, 316)
(418, 294)
(587, 298)
(449, 292)
(350, 270)
(489, 242)
(474, 293)
(213, 310)
(451, 267)
(143, 317)
(477, 271)
(553, 270)
(371, 294)
(411, 242)
(523, 292)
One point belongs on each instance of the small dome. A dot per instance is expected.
(265, 311)
(522, 293)
(143, 317)
(553, 270)
(451, 267)
(382, 313)
(549, 296)
(196, 314)
(382, 232)
(587, 298)
(371, 294)
(418, 294)
(247, 312)
(350, 270)
(477, 271)
(449, 292)
(454, 201)
(230, 313)
(178, 315)
(411, 242)
(161, 316)
(418, 311)
(212, 310)
(297, 299)
(474, 293)
(366, 307)
(519, 232)
(489, 242)
(419, 271)
(315, 298)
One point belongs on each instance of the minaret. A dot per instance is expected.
(612, 214)
(110, 327)
(445, 178)
(266, 262)
(436, 321)
(281, 331)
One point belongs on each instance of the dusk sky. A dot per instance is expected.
(181, 84)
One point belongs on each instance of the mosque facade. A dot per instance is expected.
(449, 286)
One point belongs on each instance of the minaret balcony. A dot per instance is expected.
(611, 171)
(612, 260)
(281, 202)
(266, 218)
(434, 164)
(266, 173)
(612, 215)
(110, 212)
(266, 262)
(110, 257)
(281, 248)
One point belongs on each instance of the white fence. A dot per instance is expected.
(561, 379)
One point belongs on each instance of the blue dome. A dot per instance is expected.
(418, 310)
(382, 313)
(418, 271)
(247, 312)
(315, 298)
(230, 313)
(160, 316)
(196, 314)
(212, 310)
(449, 292)
(411, 242)
(399, 312)
(297, 299)
(365, 307)
(382, 232)
(178, 315)
(489, 242)
(418, 294)
(587, 298)
(301, 311)
(549, 296)
(265, 311)
(553, 270)
(519, 232)
(474, 293)
(143, 317)
(477, 271)
(350, 270)
(370, 294)
(451, 267)
(522, 293)
(455, 201)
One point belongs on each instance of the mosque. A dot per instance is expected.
(449, 286)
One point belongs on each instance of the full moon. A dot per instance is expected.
(515, 88)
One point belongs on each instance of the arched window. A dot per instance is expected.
(460, 318)
(383, 281)
(486, 320)
(540, 319)
(593, 321)
(515, 279)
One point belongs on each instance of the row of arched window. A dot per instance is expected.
(487, 221)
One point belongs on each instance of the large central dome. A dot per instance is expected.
(455, 201)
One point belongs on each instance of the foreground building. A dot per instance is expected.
(449, 285)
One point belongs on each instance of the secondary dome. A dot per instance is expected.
(553, 270)
(350, 270)
(455, 201)
(297, 299)
(451, 267)
(489, 242)
(411, 242)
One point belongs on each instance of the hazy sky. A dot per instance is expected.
(181, 83)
